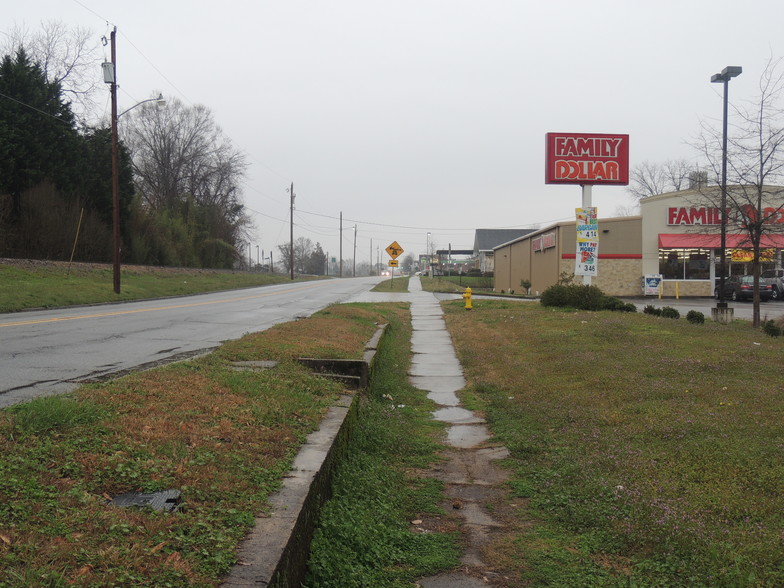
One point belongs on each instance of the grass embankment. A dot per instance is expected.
(25, 285)
(223, 437)
(644, 451)
(366, 535)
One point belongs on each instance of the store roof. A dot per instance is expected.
(489, 239)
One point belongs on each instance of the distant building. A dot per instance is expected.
(485, 240)
(676, 236)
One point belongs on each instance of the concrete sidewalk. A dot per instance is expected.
(470, 477)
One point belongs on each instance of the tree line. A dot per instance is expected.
(180, 176)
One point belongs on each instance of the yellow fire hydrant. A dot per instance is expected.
(467, 298)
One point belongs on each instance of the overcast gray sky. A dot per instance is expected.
(416, 116)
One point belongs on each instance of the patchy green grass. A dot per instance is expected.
(25, 285)
(365, 535)
(644, 451)
(223, 437)
(399, 284)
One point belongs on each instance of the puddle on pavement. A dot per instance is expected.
(467, 436)
(457, 415)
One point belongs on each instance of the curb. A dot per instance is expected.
(275, 553)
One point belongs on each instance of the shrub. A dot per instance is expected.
(695, 317)
(629, 307)
(557, 295)
(670, 312)
(577, 296)
(612, 303)
(651, 309)
(771, 329)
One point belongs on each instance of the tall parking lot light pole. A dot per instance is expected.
(729, 72)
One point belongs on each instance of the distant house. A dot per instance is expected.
(485, 240)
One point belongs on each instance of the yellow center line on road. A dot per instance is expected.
(155, 309)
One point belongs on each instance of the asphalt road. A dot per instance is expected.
(52, 351)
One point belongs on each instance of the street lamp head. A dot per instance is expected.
(729, 72)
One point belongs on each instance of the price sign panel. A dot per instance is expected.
(394, 250)
(587, 242)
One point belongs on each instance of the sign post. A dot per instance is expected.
(394, 250)
(587, 159)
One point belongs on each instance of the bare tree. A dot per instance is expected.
(755, 167)
(68, 57)
(303, 249)
(650, 179)
(180, 152)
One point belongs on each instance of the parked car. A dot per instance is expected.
(742, 288)
(776, 278)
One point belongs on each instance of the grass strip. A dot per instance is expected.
(393, 285)
(223, 437)
(645, 451)
(366, 536)
(46, 285)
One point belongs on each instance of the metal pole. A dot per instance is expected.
(587, 203)
(723, 266)
(291, 252)
(354, 261)
(115, 174)
(341, 244)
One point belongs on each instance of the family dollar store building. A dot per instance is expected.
(676, 236)
(543, 256)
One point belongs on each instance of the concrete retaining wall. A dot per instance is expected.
(277, 550)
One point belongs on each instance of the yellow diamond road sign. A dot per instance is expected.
(394, 250)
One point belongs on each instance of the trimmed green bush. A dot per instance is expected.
(651, 309)
(670, 312)
(771, 329)
(557, 295)
(695, 317)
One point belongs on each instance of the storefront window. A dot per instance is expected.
(684, 264)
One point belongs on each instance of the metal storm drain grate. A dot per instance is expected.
(168, 500)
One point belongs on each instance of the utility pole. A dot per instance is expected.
(341, 243)
(291, 252)
(370, 264)
(354, 261)
(115, 171)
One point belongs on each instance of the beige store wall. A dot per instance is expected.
(619, 277)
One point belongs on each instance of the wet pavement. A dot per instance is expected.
(471, 478)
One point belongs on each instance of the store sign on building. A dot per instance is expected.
(587, 158)
(587, 242)
(543, 242)
(704, 215)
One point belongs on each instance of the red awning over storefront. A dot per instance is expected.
(696, 240)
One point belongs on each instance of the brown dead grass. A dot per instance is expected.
(224, 438)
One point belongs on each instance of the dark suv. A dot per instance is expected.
(742, 288)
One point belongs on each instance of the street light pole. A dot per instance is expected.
(115, 172)
(354, 265)
(110, 77)
(724, 77)
(429, 271)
